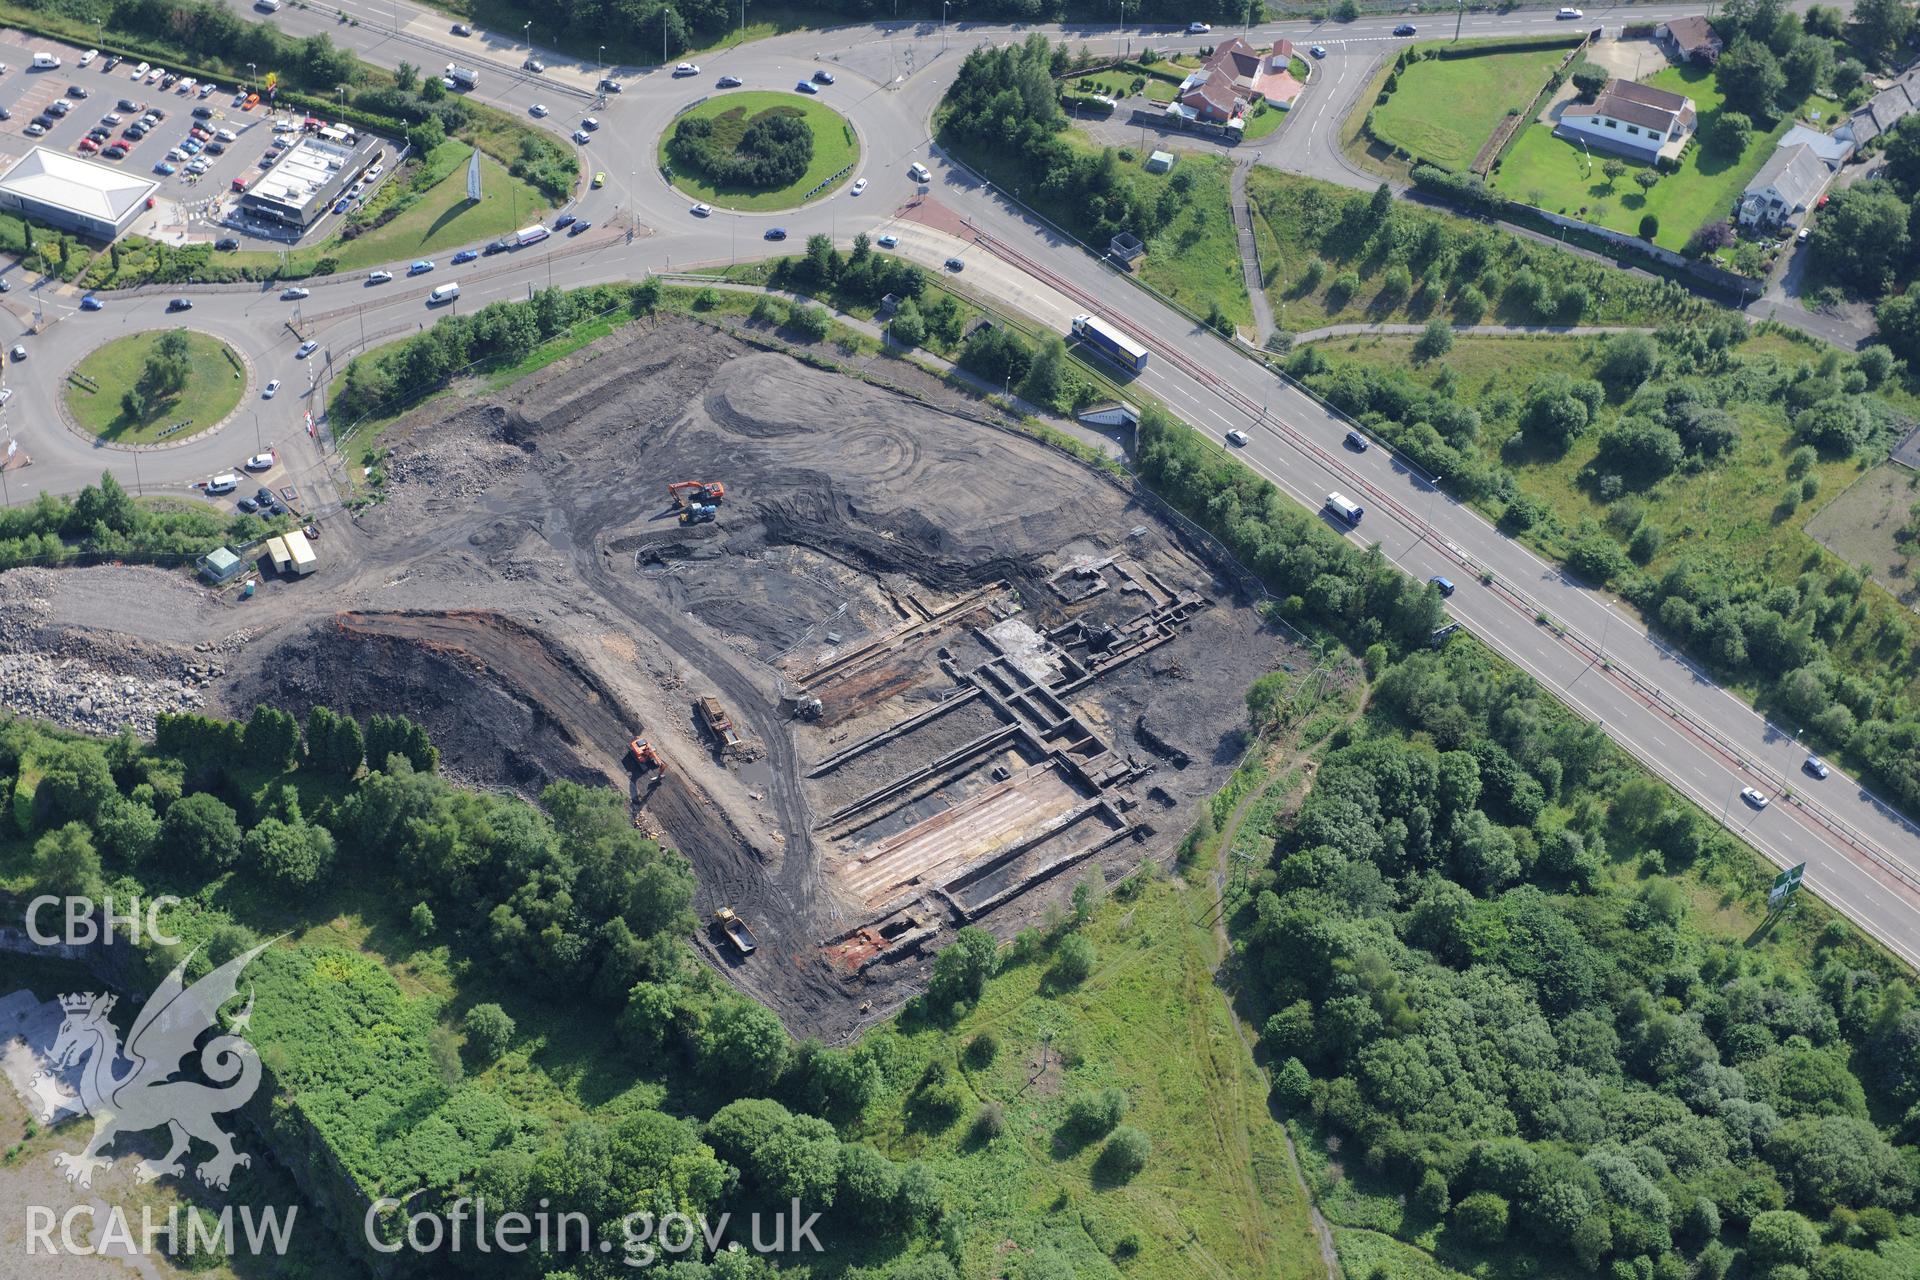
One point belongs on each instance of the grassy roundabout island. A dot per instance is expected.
(748, 151)
(134, 388)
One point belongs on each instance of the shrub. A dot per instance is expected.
(1649, 227)
(489, 1030)
(989, 1123)
(1089, 1115)
(773, 152)
(981, 1050)
(1483, 1217)
(1126, 1152)
(1435, 340)
(421, 919)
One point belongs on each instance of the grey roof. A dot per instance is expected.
(1831, 148)
(1636, 104)
(1693, 33)
(1795, 172)
(1884, 109)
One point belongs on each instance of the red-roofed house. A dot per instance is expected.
(1233, 77)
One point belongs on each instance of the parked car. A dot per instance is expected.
(534, 65)
(264, 496)
(1757, 799)
(270, 390)
(1817, 767)
(564, 221)
(165, 169)
(89, 56)
(247, 505)
(18, 354)
(462, 29)
(203, 113)
(807, 86)
(79, 91)
(1237, 438)
(216, 148)
(579, 226)
(294, 294)
(180, 304)
(727, 82)
(89, 144)
(35, 129)
(113, 60)
(116, 151)
(1357, 442)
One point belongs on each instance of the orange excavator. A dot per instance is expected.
(690, 493)
(642, 756)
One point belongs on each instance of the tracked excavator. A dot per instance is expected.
(642, 756)
(695, 493)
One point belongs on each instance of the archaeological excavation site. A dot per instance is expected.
(878, 666)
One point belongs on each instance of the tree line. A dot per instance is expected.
(103, 522)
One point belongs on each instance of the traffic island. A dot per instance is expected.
(742, 151)
(157, 387)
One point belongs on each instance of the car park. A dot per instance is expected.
(270, 390)
(823, 76)
(1237, 438)
(293, 295)
(1817, 767)
(379, 277)
(727, 82)
(1758, 799)
(1356, 442)
(776, 233)
(806, 86)
(420, 267)
(179, 304)
(859, 185)
(702, 210)
(888, 241)
(465, 255)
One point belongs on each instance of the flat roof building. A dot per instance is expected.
(65, 191)
(306, 181)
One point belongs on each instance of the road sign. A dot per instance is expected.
(1785, 885)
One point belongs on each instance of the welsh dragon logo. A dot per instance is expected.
(135, 1088)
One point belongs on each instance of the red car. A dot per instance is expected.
(88, 144)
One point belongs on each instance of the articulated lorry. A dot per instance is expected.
(1117, 345)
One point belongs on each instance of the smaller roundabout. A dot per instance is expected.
(154, 387)
(757, 151)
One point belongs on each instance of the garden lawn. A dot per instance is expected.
(1555, 175)
(213, 388)
(834, 148)
(1445, 109)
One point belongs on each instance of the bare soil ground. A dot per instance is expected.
(526, 592)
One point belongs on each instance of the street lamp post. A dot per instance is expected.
(526, 30)
(943, 23)
(603, 62)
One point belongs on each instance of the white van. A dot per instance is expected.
(1345, 508)
(225, 482)
(445, 293)
(45, 62)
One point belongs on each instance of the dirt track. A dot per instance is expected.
(525, 592)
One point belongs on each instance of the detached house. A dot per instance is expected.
(1630, 119)
(1236, 74)
(1690, 40)
(1787, 186)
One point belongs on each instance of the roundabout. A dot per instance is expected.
(747, 132)
(151, 387)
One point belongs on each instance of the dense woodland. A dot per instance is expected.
(254, 823)
(1481, 986)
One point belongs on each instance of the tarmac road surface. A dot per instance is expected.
(1861, 856)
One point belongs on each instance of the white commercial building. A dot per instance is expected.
(65, 191)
